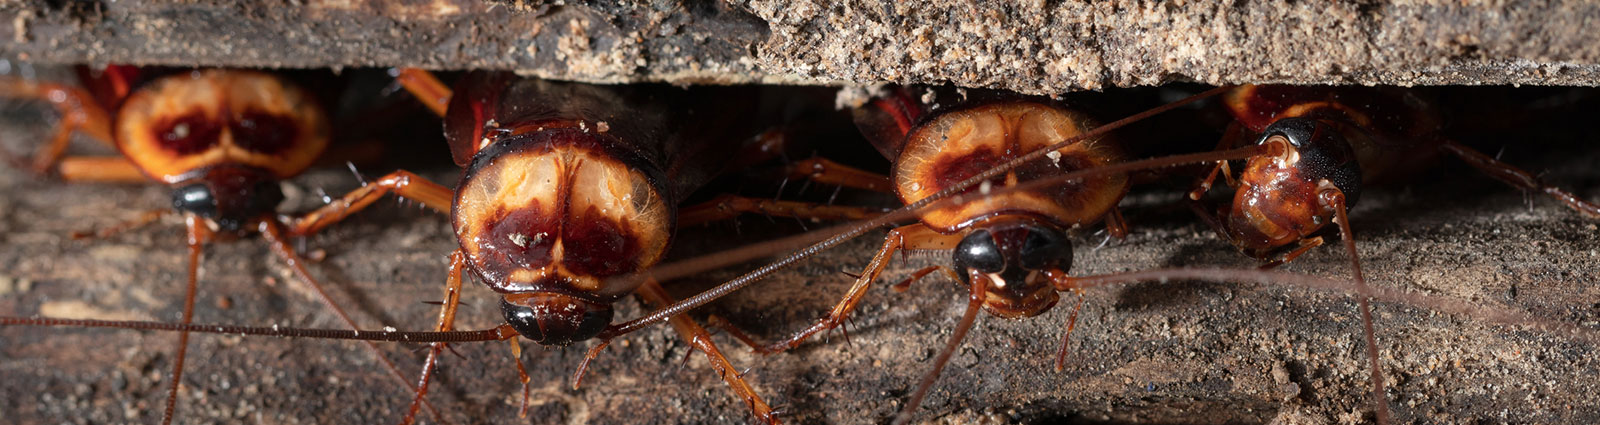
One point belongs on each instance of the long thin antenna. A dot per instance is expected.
(493, 334)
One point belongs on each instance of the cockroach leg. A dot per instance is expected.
(78, 111)
(197, 235)
(273, 233)
(1306, 245)
(1115, 224)
(1518, 178)
(825, 171)
(142, 220)
(652, 293)
(522, 375)
(426, 87)
(968, 319)
(905, 285)
(1204, 185)
(583, 366)
(99, 169)
(447, 319)
(401, 183)
(729, 206)
(910, 237)
(1066, 338)
(1234, 133)
(770, 145)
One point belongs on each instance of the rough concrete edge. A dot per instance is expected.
(1028, 46)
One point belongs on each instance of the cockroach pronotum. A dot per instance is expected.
(220, 138)
(1330, 142)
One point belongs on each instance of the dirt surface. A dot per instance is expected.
(1031, 46)
(1179, 352)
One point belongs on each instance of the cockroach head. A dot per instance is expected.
(1323, 152)
(229, 196)
(550, 318)
(1015, 256)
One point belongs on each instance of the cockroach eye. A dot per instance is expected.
(1046, 248)
(978, 251)
(195, 198)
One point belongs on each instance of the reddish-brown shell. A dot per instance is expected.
(955, 145)
(180, 124)
(1276, 203)
(1386, 127)
(555, 210)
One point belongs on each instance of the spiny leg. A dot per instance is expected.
(974, 303)
(1229, 138)
(1336, 200)
(905, 285)
(1066, 338)
(910, 237)
(401, 183)
(99, 169)
(823, 170)
(771, 144)
(270, 231)
(1305, 245)
(1115, 224)
(447, 321)
(77, 109)
(197, 235)
(697, 337)
(730, 206)
(142, 220)
(427, 88)
(522, 376)
(1518, 178)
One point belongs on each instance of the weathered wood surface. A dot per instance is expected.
(1030, 46)
(1178, 353)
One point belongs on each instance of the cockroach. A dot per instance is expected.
(1330, 142)
(566, 186)
(1338, 140)
(222, 139)
(1010, 248)
(1012, 243)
